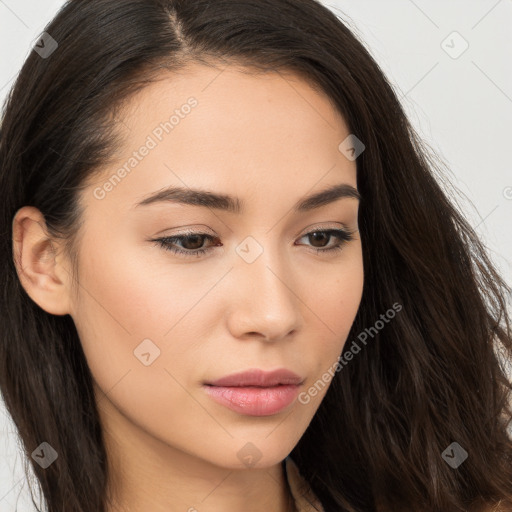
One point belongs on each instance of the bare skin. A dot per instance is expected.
(270, 140)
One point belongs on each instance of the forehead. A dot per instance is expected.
(232, 100)
(228, 129)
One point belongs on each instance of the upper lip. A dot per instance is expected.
(257, 377)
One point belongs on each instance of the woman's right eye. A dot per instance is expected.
(170, 243)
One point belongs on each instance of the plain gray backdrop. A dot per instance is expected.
(450, 63)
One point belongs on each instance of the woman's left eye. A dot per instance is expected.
(193, 241)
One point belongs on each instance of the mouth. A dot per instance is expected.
(256, 392)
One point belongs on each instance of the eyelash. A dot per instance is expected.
(166, 242)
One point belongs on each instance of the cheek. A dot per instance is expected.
(337, 291)
(135, 328)
(334, 304)
(124, 311)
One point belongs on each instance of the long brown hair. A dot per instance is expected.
(430, 378)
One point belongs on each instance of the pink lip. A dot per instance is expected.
(255, 392)
(257, 377)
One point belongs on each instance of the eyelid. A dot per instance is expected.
(201, 229)
(344, 236)
(188, 230)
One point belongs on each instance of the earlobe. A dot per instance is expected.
(40, 269)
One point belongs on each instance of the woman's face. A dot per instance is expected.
(156, 325)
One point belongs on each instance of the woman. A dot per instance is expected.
(231, 280)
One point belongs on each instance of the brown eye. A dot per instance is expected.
(320, 239)
(190, 244)
(319, 236)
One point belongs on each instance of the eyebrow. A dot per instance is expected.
(232, 204)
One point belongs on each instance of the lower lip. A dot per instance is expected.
(254, 401)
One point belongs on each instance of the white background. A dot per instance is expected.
(461, 106)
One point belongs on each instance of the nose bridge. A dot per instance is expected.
(265, 300)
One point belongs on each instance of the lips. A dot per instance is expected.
(255, 392)
(259, 378)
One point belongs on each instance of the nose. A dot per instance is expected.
(265, 299)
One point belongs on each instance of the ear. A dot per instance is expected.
(42, 270)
